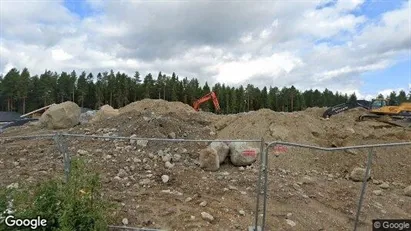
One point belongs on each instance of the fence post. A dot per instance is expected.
(62, 147)
(364, 185)
(257, 209)
(265, 187)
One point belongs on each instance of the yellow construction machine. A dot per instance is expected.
(384, 110)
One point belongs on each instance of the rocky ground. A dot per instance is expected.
(159, 184)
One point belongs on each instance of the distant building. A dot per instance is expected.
(7, 116)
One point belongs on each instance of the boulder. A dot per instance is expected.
(61, 116)
(87, 116)
(209, 159)
(222, 150)
(358, 174)
(242, 154)
(105, 112)
(407, 191)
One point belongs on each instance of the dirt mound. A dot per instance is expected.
(270, 125)
(157, 106)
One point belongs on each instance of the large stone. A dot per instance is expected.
(87, 116)
(105, 112)
(209, 159)
(407, 191)
(222, 150)
(61, 116)
(242, 154)
(358, 174)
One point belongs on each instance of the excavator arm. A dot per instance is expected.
(206, 98)
(346, 106)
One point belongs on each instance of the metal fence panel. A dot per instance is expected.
(68, 145)
(362, 192)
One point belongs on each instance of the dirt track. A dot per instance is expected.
(308, 189)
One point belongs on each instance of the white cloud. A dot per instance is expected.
(60, 55)
(242, 70)
(387, 92)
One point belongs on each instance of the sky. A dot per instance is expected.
(350, 46)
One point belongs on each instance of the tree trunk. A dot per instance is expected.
(24, 105)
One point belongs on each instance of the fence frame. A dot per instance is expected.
(59, 139)
(264, 170)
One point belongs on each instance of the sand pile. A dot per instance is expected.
(152, 125)
(158, 106)
(270, 125)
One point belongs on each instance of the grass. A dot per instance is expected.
(76, 205)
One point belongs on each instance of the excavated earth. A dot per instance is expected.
(307, 189)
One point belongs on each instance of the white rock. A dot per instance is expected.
(106, 111)
(166, 158)
(206, 216)
(133, 141)
(172, 135)
(209, 159)
(307, 180)
(168, 165)
(222, 150)
(358, 174)
(203, 204)
(176, 157)
(165, 178)
(145, 182)
(82, 152)
(377, 192)
(241, 212)
(384, 185)
(122, 173)
(13, 186)
(242, 154)
(142, 143)
(407, 191)
(290, 222)
(61, 116)
(125, 221)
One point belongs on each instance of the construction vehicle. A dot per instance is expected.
(383, 110)
(205, 98)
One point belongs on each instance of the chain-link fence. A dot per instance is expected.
(350, 206)
(292, 188)
(132, 171)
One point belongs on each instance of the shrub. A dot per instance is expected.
(76, 205)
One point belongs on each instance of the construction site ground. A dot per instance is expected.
(307, 189)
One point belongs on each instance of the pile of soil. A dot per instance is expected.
(158, 106)
(132, 171)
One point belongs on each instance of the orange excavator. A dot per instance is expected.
(204, 99)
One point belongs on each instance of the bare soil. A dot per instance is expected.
(307, 189)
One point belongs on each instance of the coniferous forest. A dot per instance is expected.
(22, 92)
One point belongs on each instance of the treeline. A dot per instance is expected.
(21, 92)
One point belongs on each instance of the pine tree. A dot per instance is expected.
(82, 88)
